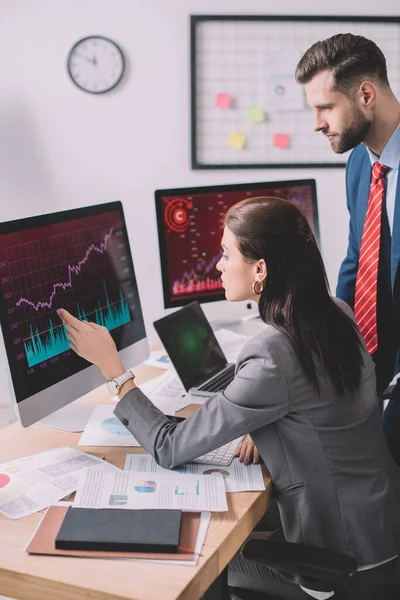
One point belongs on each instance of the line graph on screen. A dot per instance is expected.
(80, 269)
(72, 269)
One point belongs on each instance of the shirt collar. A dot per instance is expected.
(390, 156)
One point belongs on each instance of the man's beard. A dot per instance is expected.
(353, 135)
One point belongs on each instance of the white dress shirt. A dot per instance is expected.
(390, 157)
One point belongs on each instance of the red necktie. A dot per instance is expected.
(367, 274)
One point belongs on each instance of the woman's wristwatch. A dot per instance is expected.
(114, 385)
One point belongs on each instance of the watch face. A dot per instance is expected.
(112, 388)
(96, 64)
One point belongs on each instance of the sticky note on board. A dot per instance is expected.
(236, 140)
(281, 140)
(223, 101)
(255, 114)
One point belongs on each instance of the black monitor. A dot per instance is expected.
(190, 229)
(79, 260)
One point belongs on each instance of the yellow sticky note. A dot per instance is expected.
(255, 114)
(236, 140)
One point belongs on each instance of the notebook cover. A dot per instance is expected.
(43, 540)
(120, 530)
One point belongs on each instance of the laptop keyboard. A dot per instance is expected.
(220, 382)
(220, 456)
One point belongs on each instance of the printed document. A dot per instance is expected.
(100, 488)
(168, 395)
(238, 477)
(104, 429)
(32, 483)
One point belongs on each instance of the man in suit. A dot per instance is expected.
(346, 84)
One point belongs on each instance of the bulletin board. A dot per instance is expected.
(247, 111)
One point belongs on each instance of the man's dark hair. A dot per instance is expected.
(350, 58)
(296, 299)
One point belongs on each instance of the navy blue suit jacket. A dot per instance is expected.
(358, 178)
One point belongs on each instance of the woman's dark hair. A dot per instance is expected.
(350, 58)
(296, 298)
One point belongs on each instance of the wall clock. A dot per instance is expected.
(96, 64)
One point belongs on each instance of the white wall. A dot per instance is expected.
(62, 148)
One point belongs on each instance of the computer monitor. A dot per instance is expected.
(190, 229)
(79, 260)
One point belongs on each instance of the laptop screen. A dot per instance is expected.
(191, 345)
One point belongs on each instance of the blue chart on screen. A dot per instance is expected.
(114, 426)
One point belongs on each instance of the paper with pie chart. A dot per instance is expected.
(104, 429)
(237, 477)
(145, 490)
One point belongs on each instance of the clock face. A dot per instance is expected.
(96, 64)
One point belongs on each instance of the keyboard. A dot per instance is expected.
(221, 456)
(219, 382)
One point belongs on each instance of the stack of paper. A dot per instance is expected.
(32, 483)
(193, 532)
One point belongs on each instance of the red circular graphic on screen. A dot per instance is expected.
(4, 480)
(176, 214)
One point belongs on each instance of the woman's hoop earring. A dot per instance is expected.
(259, 290)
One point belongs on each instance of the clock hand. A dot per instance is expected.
(94, 61)
(85, 57)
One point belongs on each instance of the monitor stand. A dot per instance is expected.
(72, 417)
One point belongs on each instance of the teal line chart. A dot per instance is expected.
(47, 338)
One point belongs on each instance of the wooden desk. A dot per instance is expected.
(31, 577)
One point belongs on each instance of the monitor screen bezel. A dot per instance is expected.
(216, 189)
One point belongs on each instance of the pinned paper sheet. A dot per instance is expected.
(281, 140)
(282, 93)
(223, 101)
(255, 114)
(236, 140)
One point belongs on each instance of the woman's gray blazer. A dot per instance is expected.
(335, 481)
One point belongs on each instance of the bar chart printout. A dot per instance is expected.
(82, 265)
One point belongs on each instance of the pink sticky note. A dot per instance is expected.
(223, 100)
(281, 140)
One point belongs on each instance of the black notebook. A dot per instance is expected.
(120, 530)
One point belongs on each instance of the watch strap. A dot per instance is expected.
(114, 385)
(124, 378)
